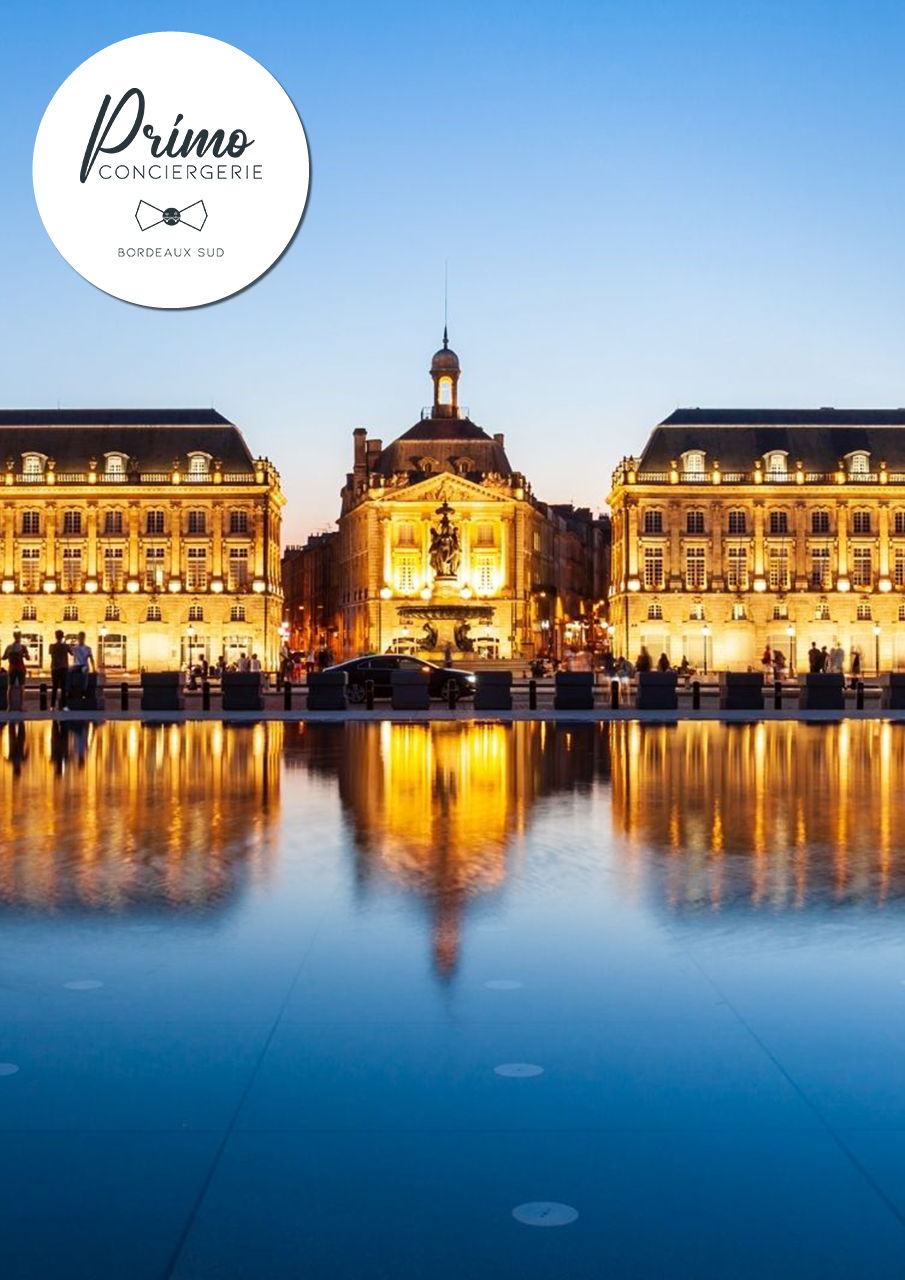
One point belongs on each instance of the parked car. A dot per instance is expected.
(379, 666)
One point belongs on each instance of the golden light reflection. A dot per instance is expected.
(119, 815)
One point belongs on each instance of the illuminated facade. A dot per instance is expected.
(737, 529)
(157, 533)
(442, 546)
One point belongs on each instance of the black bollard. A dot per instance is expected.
(369, 694)
(453, 694)
(42, 697)
(205, 695)
(614, 695)
(696, 695)
(124, 696)
(287, 695)
(532, 695)
(859, 696)
(777, 695)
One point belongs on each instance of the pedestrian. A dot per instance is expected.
(767, 662)
(779, 665)
(15, 655)
(255, 664)
(663, 663)
(643, 662)
(856, 666)
(244, 662)
(60, 653)
(837, 658)
(815, 658)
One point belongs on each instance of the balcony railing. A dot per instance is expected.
(444, 411)
(145, 477)
(789, 478)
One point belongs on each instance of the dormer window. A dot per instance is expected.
(777, 464)
(693, 462)
(199, 464)
(858, 463)
(115, 466)
(32, 466)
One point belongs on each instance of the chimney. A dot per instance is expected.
(359, 435)
(499, 439)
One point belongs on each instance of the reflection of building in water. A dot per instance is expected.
(770, 816)
(436, 808)
(133, 814)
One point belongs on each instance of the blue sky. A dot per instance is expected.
(643, 205)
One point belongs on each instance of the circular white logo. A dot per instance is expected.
(171, 170)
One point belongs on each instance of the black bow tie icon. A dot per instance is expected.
(148, 215)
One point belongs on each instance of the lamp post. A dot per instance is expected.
(877, 629)
(790, 632)
(705, 632)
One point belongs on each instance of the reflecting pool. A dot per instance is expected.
(409, 1000)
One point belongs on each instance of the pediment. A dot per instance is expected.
(446, 487)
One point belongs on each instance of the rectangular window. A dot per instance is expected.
(405, 575)
(737, 565)
(72, 568)
(900, 522)
(820, 522)
(72, 523)
(862, 575)
(154, 561)
(899, 569)
(779, 522)
(653, 568)
(113, 523)
(694, 522)
(154, 522)
(196, 576)
(653, 522)
(484, 535)
(197, 522)
(238, 522)
(30, 574)
(737, 522)
(779, 570)
(407, 534)
(695, 568)
(820, 568)
(31, 523)
(861, 522)
(484, 576)
(238, 569)
(113, 569)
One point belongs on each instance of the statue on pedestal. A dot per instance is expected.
(445, 552)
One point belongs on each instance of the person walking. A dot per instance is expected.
(815, 658)
(15, 655)
(663, 663)
(643, 662)
(60, 653)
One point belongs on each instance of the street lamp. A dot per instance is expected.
(877, 647)
(790, 632)
(705, 632)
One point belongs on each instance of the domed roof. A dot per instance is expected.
(445, 360)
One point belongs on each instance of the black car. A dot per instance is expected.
(378, 666)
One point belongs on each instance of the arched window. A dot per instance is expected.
(902, 612)
(237, 613)
(115, 466)
(29, 612)
(693, 462)
(822, 613)
(196, 613)
(32, 466)
(153, 614)
(111, 613)
(777, 465)
(655, 612)
(445, 390)
(863, 610)
(858, 463)
(199, 464)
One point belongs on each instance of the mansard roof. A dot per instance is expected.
(736, 438)
(445, 441)
(153, 437)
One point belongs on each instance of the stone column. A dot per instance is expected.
(175, 567)
(50, 539)
(674, 568)
(801, 564)
(758, 539)
(91, 566)
(716, 542)
(259, 541)
(884, 539)
(9, 545)
(842, 539)
(133, 538)
(217, 543)
(632, 513)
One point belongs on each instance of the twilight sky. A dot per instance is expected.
(643, 205)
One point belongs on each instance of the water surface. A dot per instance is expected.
(256, 981)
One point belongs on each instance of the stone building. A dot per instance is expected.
(739, 528)
(154, 531)
(311, 592)
(442, 545)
